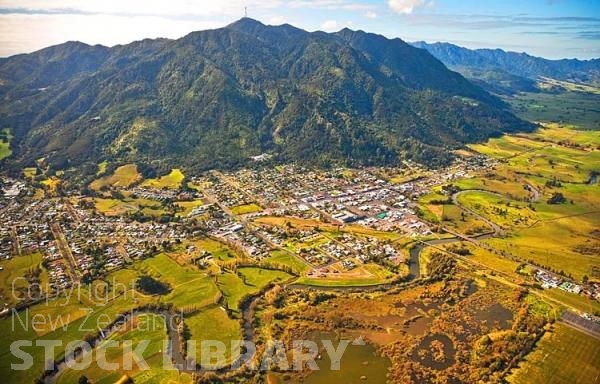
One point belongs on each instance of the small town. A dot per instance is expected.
(79, 242)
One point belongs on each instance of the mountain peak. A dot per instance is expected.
(246, 24)
(214, 98)
(266, 32)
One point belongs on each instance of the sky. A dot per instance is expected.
(548, 28)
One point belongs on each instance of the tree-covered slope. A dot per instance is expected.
(214, 98)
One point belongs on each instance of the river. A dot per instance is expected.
(247, 307)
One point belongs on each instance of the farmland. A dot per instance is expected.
(578, 108)
(554, 159)
(213, 324)
(65, 321)
(287, 259)
(144, 327)
(563, 355)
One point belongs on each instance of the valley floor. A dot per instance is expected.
(461, 273)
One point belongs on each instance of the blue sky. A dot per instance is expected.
(548, 28)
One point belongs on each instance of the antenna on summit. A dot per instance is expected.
(246, 12)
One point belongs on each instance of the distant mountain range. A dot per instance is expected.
(506, 72)
(214, 98)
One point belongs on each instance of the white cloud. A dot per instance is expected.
(145, 7)
(329, 4)
(330, 25)
(277, 20)
(371, 15)
(45, 30)
(180, 7)
(406, 6)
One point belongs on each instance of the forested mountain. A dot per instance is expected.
(213, 98)
(511, 70)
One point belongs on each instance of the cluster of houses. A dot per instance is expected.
(223, 192)
(239, 237)
(6, 244)
(550, 280)
(314, 256)
(11, 188)
(154, 193)
(58, 274)
(339, 196)
(74, 240)
(261, 185)
(366, 248)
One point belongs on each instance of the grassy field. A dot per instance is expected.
(189, 287)
(123, 176)
(562, 356)
(217, 249)
(504, 212)
(5, 139)
(214, 324)
(116, 207)
(12, 276)
(577, 108)
(246, 208)
(249, 281)
(29, 173)
(72, 314)
(144, 327)
(498, 183)
(171, 181)
(188, 206)
(460, 221)
(553, 244)
(51, 183)
(287, 259)
(555, 157)
(579, 302)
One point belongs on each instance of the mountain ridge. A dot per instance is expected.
(519, 68)
(213, 98)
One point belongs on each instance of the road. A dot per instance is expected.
(582, 324)
(65, 251)
(15, 238)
